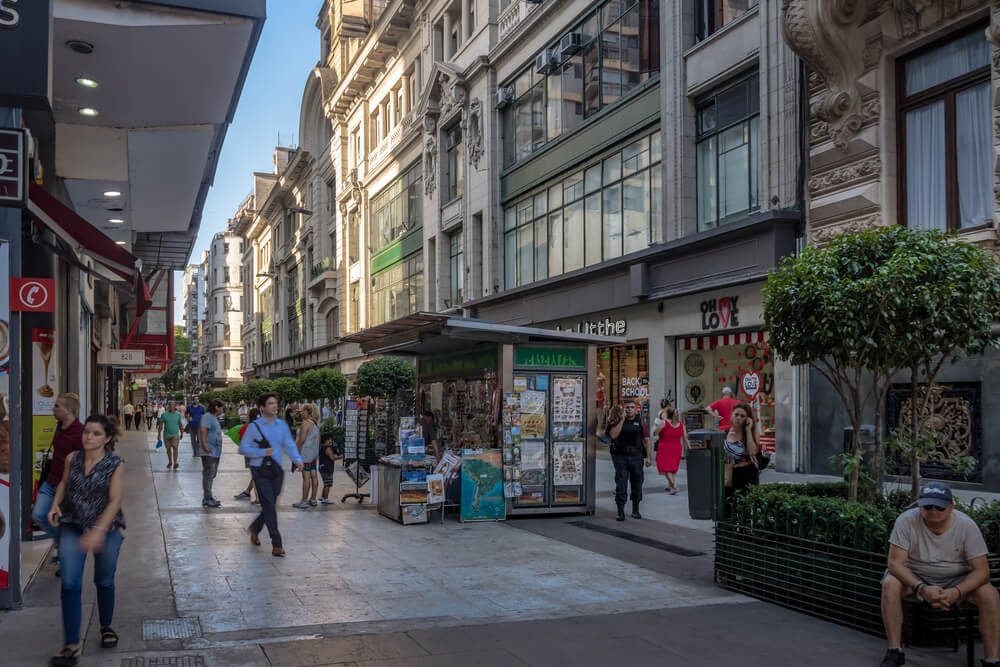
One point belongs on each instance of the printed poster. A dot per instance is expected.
(482, 485)
(533, 454)
(43, 424)
(532, 403)
(567, 464)
(5, 526)
(435, 489)
(567, 400)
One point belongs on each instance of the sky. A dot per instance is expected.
(268, 108)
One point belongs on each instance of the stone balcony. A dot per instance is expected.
(512, 15)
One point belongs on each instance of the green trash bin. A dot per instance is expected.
(705, 484)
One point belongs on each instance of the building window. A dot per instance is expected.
(226, 304)
(355, 306)
(608, 209)
(713, 15)
(225, 249)
(396, 290)
(456, 263)
(215, 275)
(354, 236)
(329, 197)
(616, 48)
(226, 334)
(946, 130)
(453, 163)
(397, 209)
(332, 318)
(225, 275)
(728, 141)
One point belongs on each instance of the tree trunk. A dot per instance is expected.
(855, 472)
(914, 434)
(877, 465)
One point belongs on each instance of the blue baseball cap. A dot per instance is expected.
(936, 494)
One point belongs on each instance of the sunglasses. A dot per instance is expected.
(933, 508)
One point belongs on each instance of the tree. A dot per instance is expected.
(287, 389)
(256, 388)
(947, 300)
(322, 384)
(383, 377)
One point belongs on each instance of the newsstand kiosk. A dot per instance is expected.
(516, 397)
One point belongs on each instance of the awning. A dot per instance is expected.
(113, 262)
(712, 342)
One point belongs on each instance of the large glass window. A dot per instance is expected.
(713, 15)
(354, 236)
(395, 211)
(453, 163)
(609, 208)
(355, 306)
(728, 141)
(611, 51)
(396, 291)
(947, 130)
(456, 265)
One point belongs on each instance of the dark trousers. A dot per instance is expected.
(196, 441)
(628, 470)
(209, 469)
(268, 491)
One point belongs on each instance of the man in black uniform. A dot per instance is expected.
(629, 447)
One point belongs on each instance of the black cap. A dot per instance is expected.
(935, 493)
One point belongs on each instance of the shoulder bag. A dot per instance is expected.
(269, 468)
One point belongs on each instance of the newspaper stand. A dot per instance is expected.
(356, 447)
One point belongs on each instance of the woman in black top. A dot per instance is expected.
(87, 509)
(741, 448)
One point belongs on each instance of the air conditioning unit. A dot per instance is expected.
(505, 96)
(546, 61)
(570, 44)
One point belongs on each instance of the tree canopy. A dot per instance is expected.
(322, 383)
(383, 377)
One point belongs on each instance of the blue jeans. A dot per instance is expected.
(71, 561)
(40, 513)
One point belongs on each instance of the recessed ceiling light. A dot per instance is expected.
(87, 82)
(90, 112)
(120, 242)
(112, 193)
(117, 221)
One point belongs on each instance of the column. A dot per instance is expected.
(466, 20)
(406, 94)
(447, 37)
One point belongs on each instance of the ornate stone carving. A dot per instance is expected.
(452, 93)
(473, 124)
(948, 418)
(848, 174)
(430, 165)
(872, 53)
(826, 233)
(826, 35)
(871, 109)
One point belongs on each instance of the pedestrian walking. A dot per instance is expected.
(264, 443)
(308, 444)
(722, 409)
(248, 492)
(211, 450)
(88, 508)
(127, 413)
(328, 456)
(151, 414)
(629, 450)
(242, 411)
(169, 430)
(138, 416)
(671, 438)
(68, 438)
(740, 450)
(193, 413)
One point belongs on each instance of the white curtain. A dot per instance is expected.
(974, 146)
(946, 62)
(925, 168)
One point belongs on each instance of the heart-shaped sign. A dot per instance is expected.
(725, 310)
(751, 384)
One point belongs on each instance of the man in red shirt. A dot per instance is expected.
(723, 408)
(68, 438)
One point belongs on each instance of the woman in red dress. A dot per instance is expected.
(670, 437)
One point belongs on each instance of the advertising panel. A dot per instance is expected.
(43, 399)
(5, 464)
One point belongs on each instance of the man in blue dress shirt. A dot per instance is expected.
(280, 438)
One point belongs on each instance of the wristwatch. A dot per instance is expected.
(917, 586)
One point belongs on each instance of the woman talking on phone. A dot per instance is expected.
(741, 448)
(88, 510)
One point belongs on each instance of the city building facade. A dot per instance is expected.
(223, 324)
(194, 315)
(903, 129)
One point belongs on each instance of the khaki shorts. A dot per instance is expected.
(172, 441)
(946, 584)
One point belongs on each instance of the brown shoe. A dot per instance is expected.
(254, 537)
(278, 552)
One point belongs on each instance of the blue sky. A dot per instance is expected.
(287, 51)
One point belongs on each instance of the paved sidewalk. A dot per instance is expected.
(357, 588)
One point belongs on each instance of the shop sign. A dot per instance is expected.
(36, 295)
(635, 387)
(13, 167)
(751, 384)
(550, 357)
(479, 362)
(25, 53)
(720, 313)
(125, 358)
(605, 327)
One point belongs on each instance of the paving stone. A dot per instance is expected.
(348, 649)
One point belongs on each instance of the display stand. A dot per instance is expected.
(356, 446)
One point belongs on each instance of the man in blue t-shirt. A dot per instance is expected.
(193, 414)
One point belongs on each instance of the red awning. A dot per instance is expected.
(712, 342)
(67, 224)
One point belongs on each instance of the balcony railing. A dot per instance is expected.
(513, 14)
(321, 267)
(389, 142)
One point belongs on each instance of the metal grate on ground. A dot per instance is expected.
(167, 661)
(171, 628)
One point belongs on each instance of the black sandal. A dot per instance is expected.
(68, 656)
(108, 637)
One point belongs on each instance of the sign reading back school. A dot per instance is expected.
(26, 53)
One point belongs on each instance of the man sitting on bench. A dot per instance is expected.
(938, 555)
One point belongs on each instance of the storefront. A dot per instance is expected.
(515, 400)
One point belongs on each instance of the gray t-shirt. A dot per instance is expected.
(938, 559)
(213, 436)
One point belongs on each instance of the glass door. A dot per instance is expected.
(531, 450)
(568, 439)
